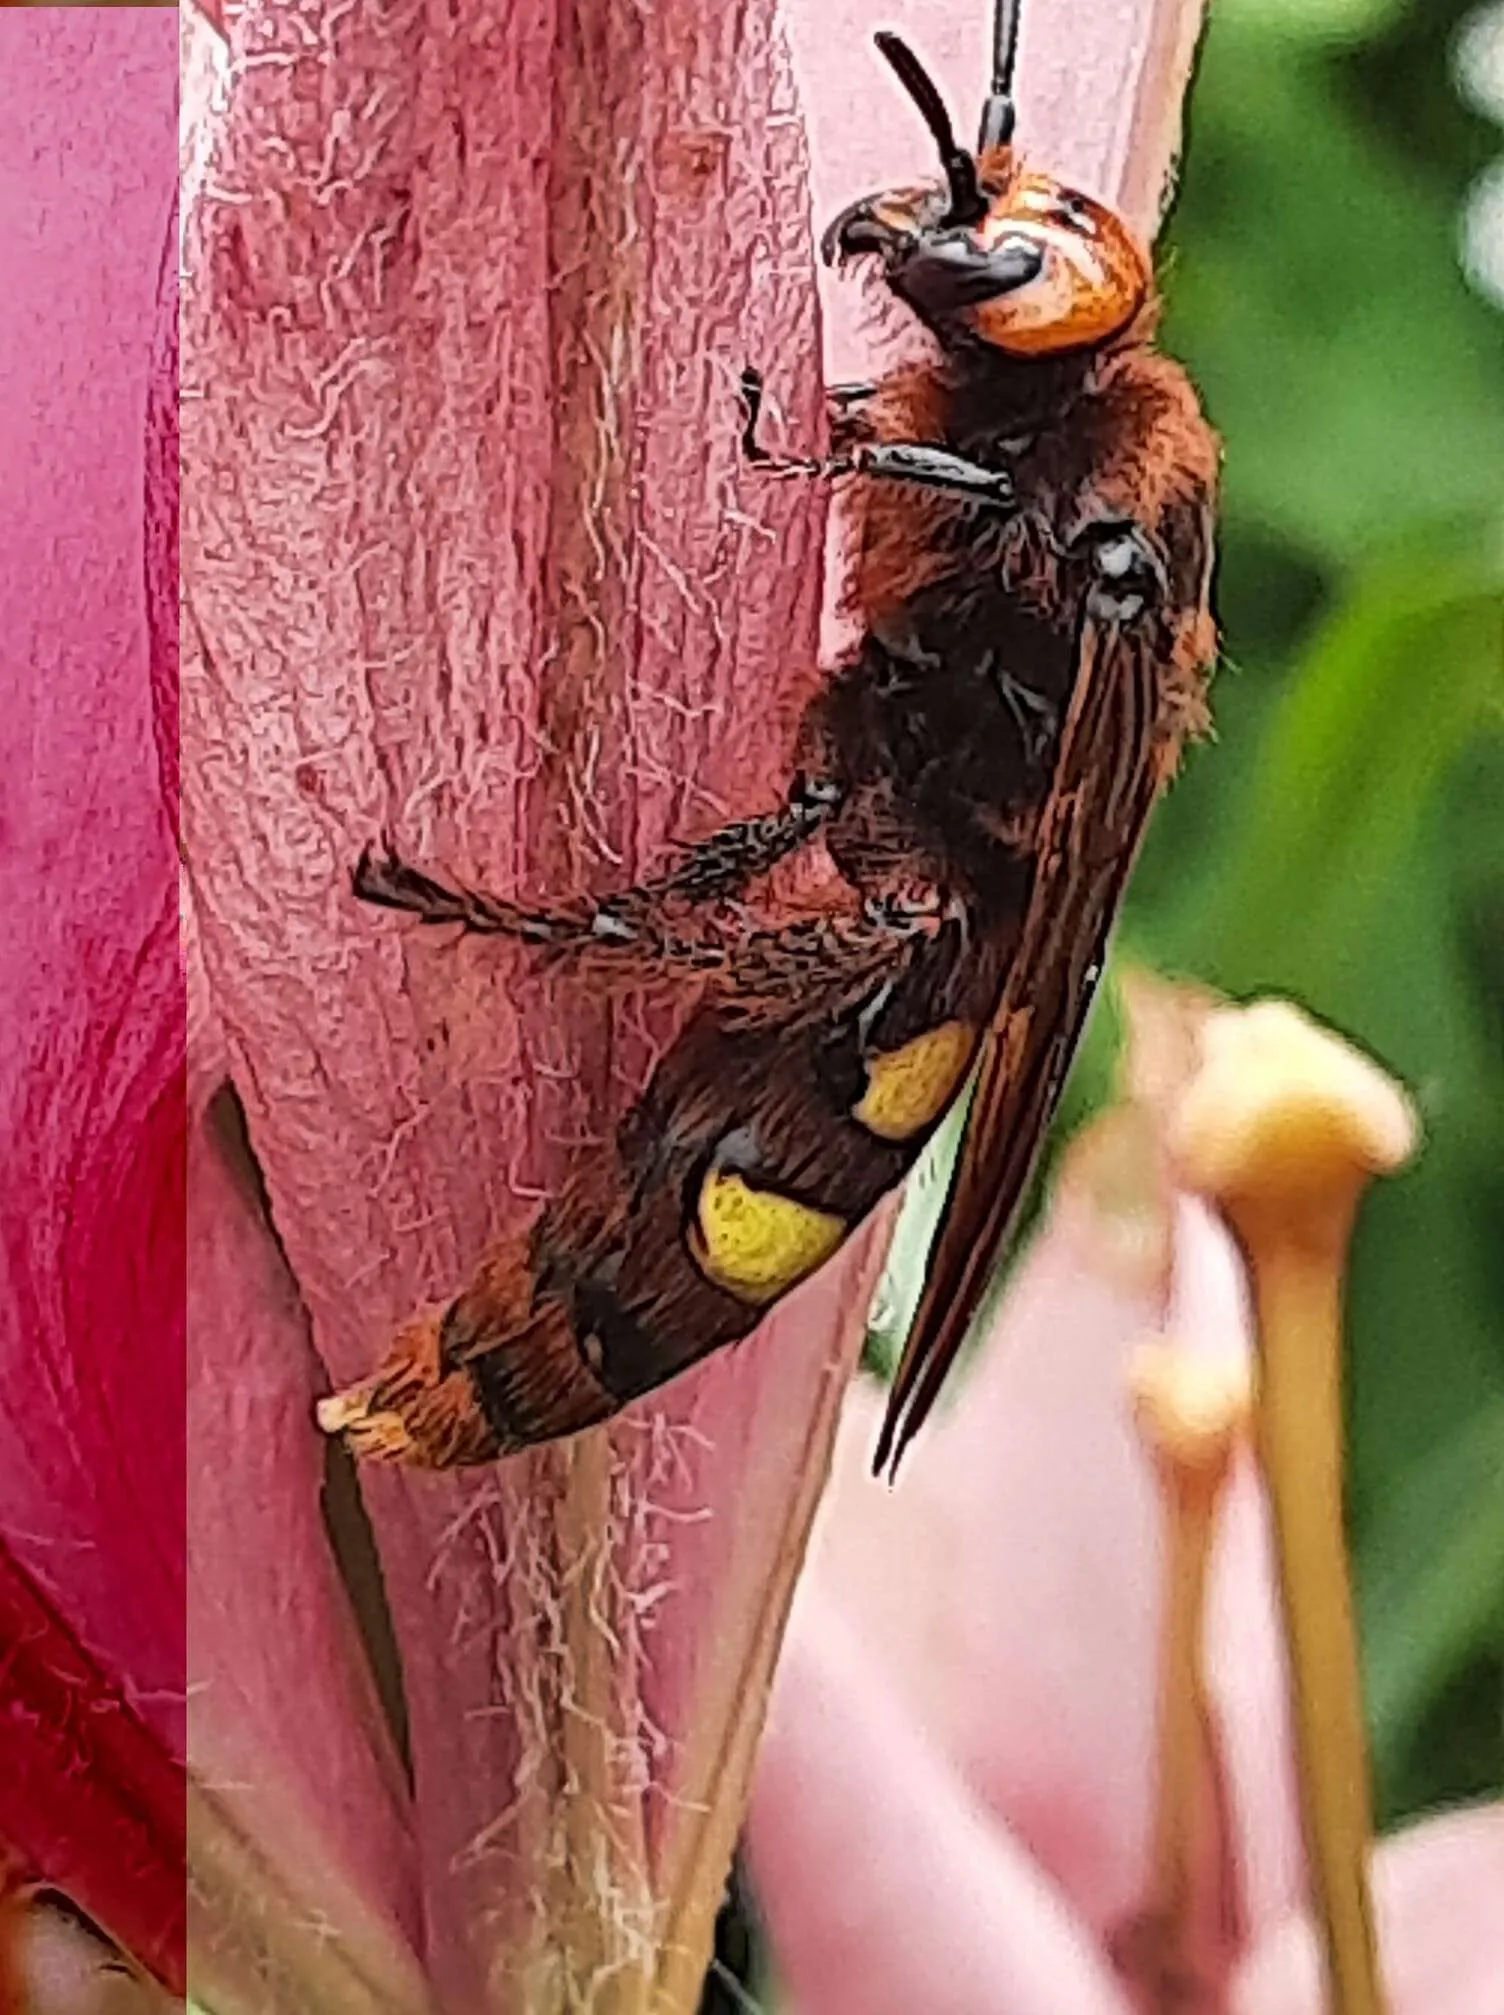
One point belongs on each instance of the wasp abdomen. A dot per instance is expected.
(757, 1243)
(910, 1089)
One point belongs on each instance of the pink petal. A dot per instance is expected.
(887, 1889)
(285, 1726)
(1438, 1888)
(1010, 1581)
(1010, 1584)
(91, 1045)
(381, 442)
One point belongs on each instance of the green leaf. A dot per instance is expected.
(1384, 703)
(1432, 1580)
(1322, 21)
(1314, 290)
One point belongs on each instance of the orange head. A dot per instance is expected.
(1008, 259)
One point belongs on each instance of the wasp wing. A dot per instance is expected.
(1107, 777)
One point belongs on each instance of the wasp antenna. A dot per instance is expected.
(1004, 47)
(999, 112)
(966, 204)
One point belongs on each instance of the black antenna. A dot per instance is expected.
(999, 112)
(967, 204)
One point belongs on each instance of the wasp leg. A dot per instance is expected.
(723, 863)
(899, 461)
(645, 942)
(752, 390)
(713, 869)
(820, 963)
(845, 421)
(936, 469)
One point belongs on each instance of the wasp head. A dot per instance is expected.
(1013, 260)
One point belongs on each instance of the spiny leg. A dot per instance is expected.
(389, 881)
(722, 864)
(646, 945)
(899, 461)
(713, 869)
(818, 956)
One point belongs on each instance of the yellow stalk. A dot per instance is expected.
(1191, 1411)
(1300, 1445)
(1282, 1128)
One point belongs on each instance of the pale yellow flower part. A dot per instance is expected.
(1191, 1408)
(1284, 1115)
(1282, 1126)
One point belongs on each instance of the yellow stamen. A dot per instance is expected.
(1191, 1411)
(1282, 1128)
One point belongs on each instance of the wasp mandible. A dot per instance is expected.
(1031, 557)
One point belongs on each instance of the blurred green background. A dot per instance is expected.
(1343, 840)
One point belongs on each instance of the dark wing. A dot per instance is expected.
(1104, 787)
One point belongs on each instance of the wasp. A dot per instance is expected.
(1033, 505)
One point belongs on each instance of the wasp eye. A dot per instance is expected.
(1075, 214)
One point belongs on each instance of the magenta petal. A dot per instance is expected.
(91, 1043)
(1438, 1890)
(92, 1039)
(887, 1888)
(89, 1799)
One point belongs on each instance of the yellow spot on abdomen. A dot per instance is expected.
(755, 1243)
(909, 1088)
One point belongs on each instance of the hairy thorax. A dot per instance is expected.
(945, 719)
